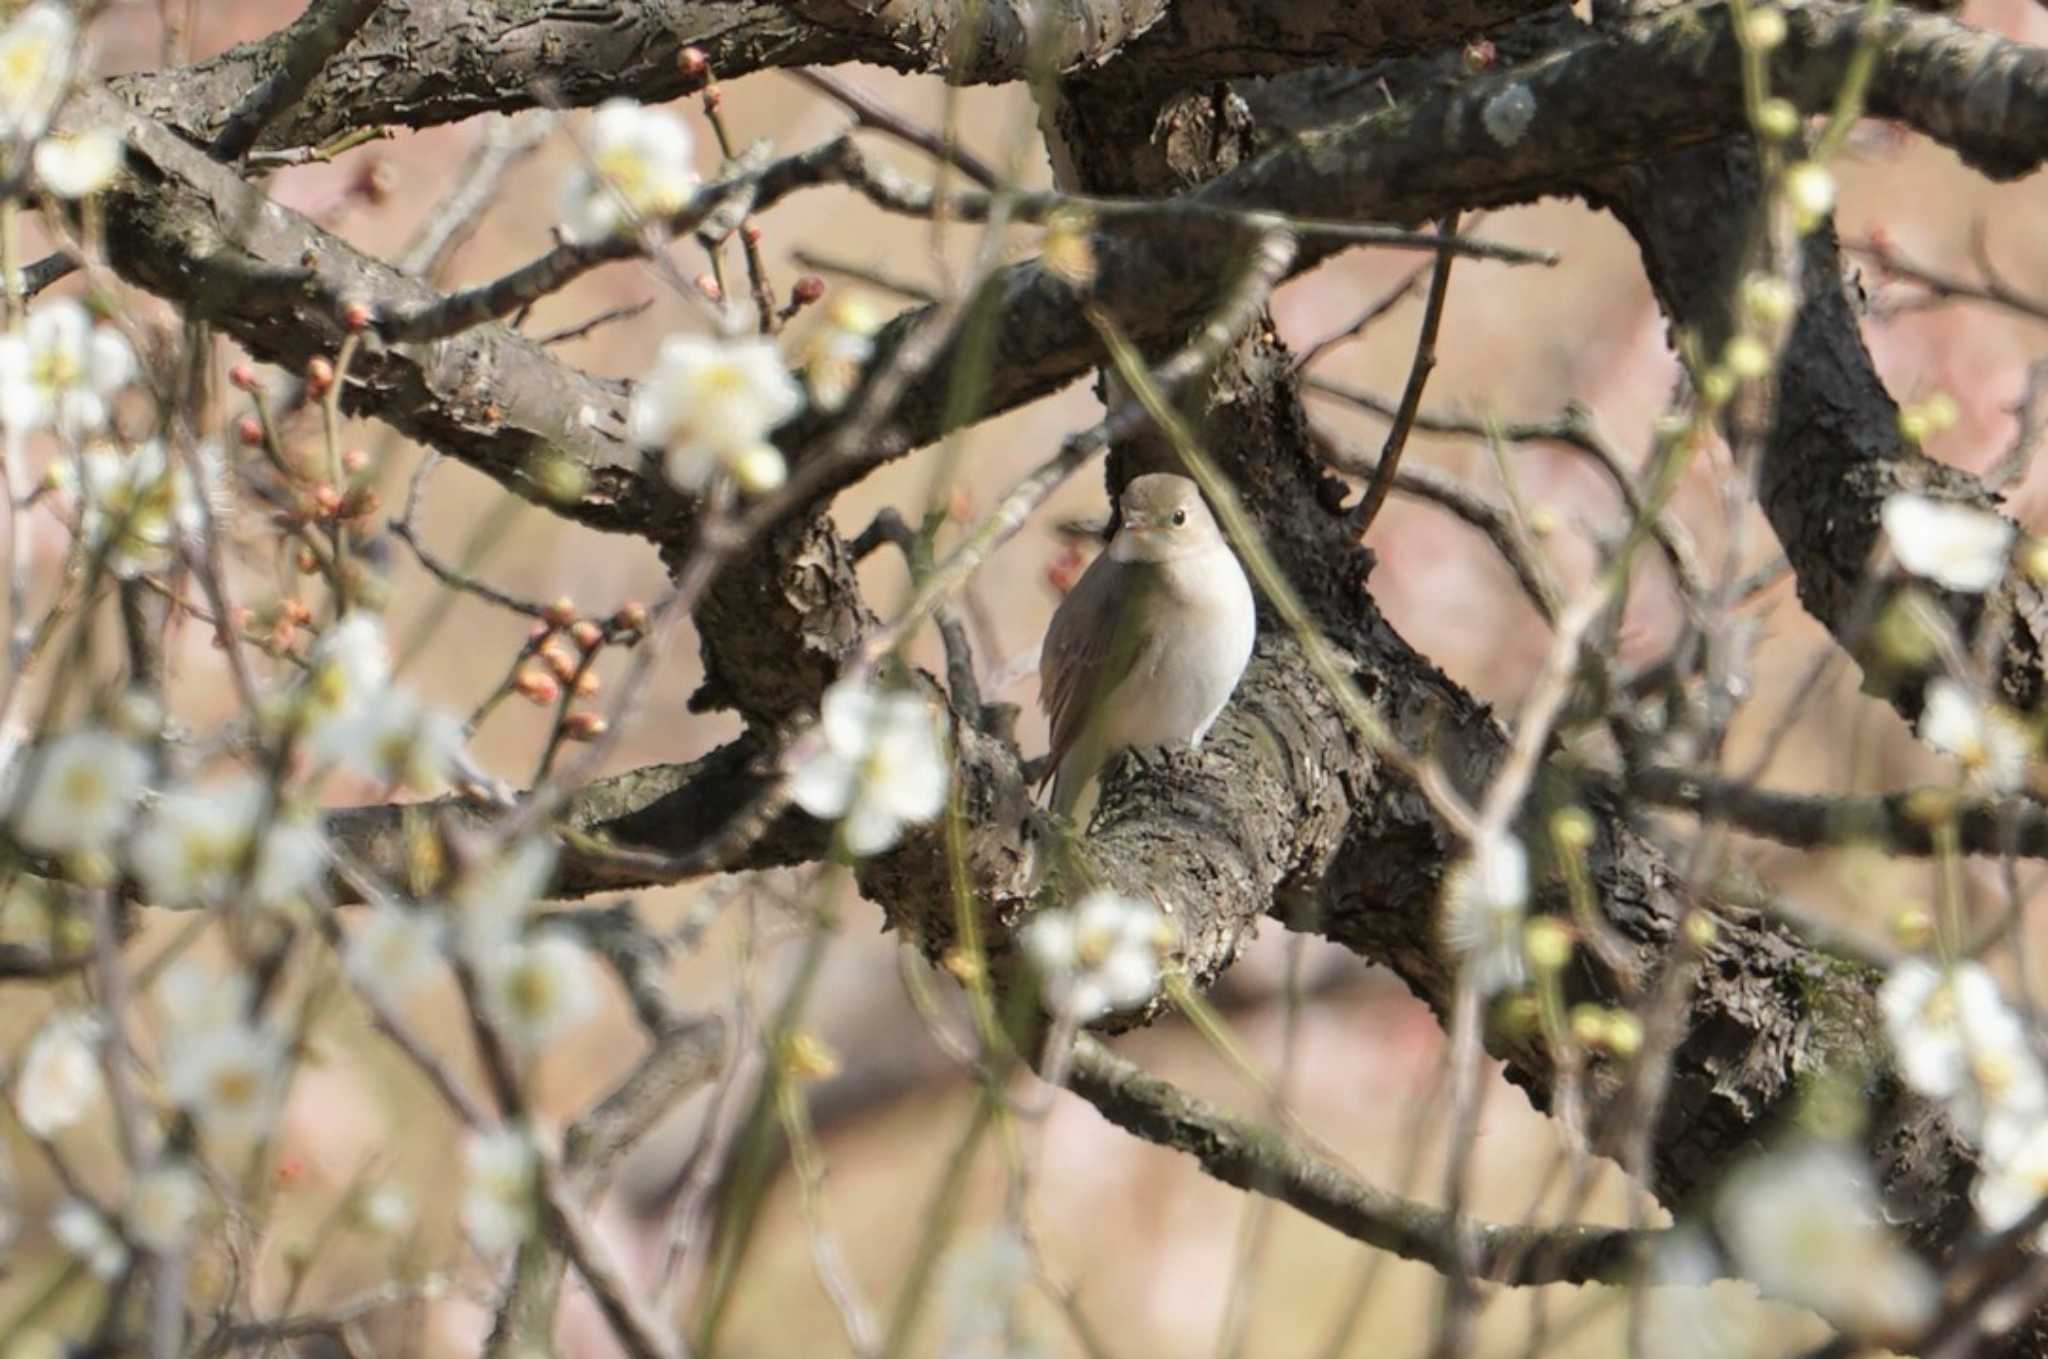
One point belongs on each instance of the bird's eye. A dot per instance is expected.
(1179, 517)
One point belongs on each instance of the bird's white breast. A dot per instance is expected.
(1180, 688)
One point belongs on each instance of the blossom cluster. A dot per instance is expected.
(40, 53)
(1101, 956)
(1956, 1040)
(877, 765)
(91, 793)
(708, 403)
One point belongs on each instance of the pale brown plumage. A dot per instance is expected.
(1148, 645)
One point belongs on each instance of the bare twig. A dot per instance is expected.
(872, 113)
(314, 37)
(1368, 507)
(1261, 1160)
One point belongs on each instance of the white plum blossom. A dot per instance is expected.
(498, 1208)
(979, 1295)
(79, 164)
(539, 987)
(392, 952)
(229, 1077)
(2013, 1182)
(139, 507)
(1686, 1315)
(80, 792)
(195, 999)
(60, 371)
(491, 902)
(386, 1210)
(1955, 546)
(1101, 957)
(59, 1078)
(1485, 896)
(90, 1238)
(1954, 1039)
(638, 171)
(1803, 1224)
(163, 1206)
(838, 348)
(880, 765)
(347, 673)
(708, 405)
(36, 55)
(398, 739)
(196, 844)
(1991, 743)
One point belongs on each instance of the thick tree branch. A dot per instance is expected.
(1920, 821)
(423, 62)
(303, 49)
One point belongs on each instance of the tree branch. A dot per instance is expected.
(1262, 1160)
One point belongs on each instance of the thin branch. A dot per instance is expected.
(1925, 821)
(1941, 287)
(1448, 494)
(504, 143)
(625, 312)
(872, 113)
(313, 38)
(1262, 1160)
(1411, 397)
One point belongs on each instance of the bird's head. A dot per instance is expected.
(1164, 518)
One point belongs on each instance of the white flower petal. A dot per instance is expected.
(1955, 546)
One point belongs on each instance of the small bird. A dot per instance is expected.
(1148, 645)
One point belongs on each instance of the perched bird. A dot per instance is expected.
(1148, 645)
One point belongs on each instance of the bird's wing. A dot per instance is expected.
(1090, 647)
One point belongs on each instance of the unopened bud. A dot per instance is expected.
(1572, 828)
(1912, 927)
(355, 314)
(1777, 119)
(584, 726)
(807, 1057)
(631, 617)
(1548, 943)
(559, 661)
(562, 612)
(809, 288)
(250, 431)
(1765, 29)
(319, 374)
(536, 684)
(587, 634)
(242, 377)
(692, 62)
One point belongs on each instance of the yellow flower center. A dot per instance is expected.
(83, 785)
(234, 1087)
(626, 170)
(57, 370)
(23, 63)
